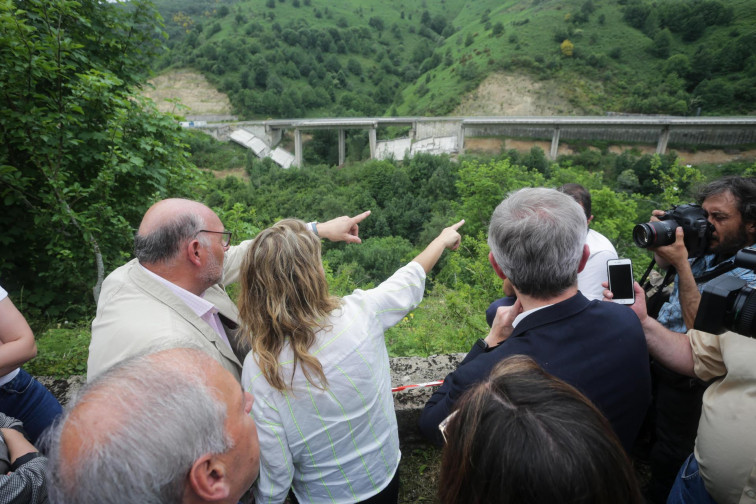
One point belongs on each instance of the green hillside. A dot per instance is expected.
(288, 58)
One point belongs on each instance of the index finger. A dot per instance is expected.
(359, 218)
(457, 225)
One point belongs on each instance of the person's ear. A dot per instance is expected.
(584, 259)
(496, 267)
(208, 479)
(590, 219)
(193, 249)
(751, 230)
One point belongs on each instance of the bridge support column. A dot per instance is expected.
(297, 148)
(372, 134)
(554, 144)
(273, 135)
(461, 138)
(661, 147)
(342, 146)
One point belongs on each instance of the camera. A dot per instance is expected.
(728, 303)
(691, 217)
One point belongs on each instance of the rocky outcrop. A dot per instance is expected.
(404, 371)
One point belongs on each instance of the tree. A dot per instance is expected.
(376, 23)
(567, 48)
(81, 154)
(661, 44)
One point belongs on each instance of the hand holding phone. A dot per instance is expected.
(620, 274)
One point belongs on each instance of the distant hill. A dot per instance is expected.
(290, 58)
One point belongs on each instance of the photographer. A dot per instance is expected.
(730, 203)
(730, 208)
(722, 468)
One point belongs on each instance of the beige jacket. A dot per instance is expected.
(136, 313)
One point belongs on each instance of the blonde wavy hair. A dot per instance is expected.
(284, 297)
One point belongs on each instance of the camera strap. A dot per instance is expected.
(721, 268)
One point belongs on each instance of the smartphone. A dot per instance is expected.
(620, 273)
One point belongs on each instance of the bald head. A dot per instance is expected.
(167, 225)
(167, 211)
(140, 427)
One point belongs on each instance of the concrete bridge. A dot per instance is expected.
(447, 134)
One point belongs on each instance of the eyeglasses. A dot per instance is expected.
(445, 422)
(226, 235)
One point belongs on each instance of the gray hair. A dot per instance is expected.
(166, 419)
(164, 243)
(536, 236)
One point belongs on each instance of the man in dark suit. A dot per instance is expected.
(537, 240)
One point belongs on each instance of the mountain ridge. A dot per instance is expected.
(314, 58)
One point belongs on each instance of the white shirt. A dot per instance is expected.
(6, 378)
(339, 445)
(589, 280)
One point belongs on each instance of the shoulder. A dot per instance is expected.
(598, 242)
(612, 316)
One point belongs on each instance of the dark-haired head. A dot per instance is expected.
(742, 188)
(524, 436)
(579, 194)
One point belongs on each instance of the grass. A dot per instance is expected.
(418, 474)
(61, 352)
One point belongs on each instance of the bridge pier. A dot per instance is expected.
(342, 146)
(554, 144)
(661, 146)
(461, 138)
(273, 135)
(297, 148)
(372, 135)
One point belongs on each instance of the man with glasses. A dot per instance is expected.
(173, 292)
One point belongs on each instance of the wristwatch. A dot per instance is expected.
(482, 344)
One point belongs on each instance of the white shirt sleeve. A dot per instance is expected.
(276, 467)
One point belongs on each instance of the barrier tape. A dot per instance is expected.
(429, 384)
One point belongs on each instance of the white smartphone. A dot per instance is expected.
(620, 273)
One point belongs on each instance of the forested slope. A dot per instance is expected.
(289, 58)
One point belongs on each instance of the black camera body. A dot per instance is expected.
(691, 217)
(728, 303)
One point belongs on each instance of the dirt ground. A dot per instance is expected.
(714, 156)
(194, 91)
(503, 94)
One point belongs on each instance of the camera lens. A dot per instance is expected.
(654, 234)
(743, 311)
(642, 235)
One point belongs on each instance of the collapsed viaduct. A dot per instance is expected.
(447, 134)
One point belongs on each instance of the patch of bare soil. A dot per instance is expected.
(240, 173)
(194, 92)
(503, 94)
(488, 145)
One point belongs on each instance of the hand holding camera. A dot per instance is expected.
(692, 218)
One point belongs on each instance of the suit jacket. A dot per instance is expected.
(135, 312)
(598, 347)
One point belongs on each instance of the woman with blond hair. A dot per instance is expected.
(319, 369)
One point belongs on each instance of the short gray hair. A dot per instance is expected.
(167, 418)
(536, 236)
(164, 243)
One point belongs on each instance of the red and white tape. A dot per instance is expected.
(429, 384)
